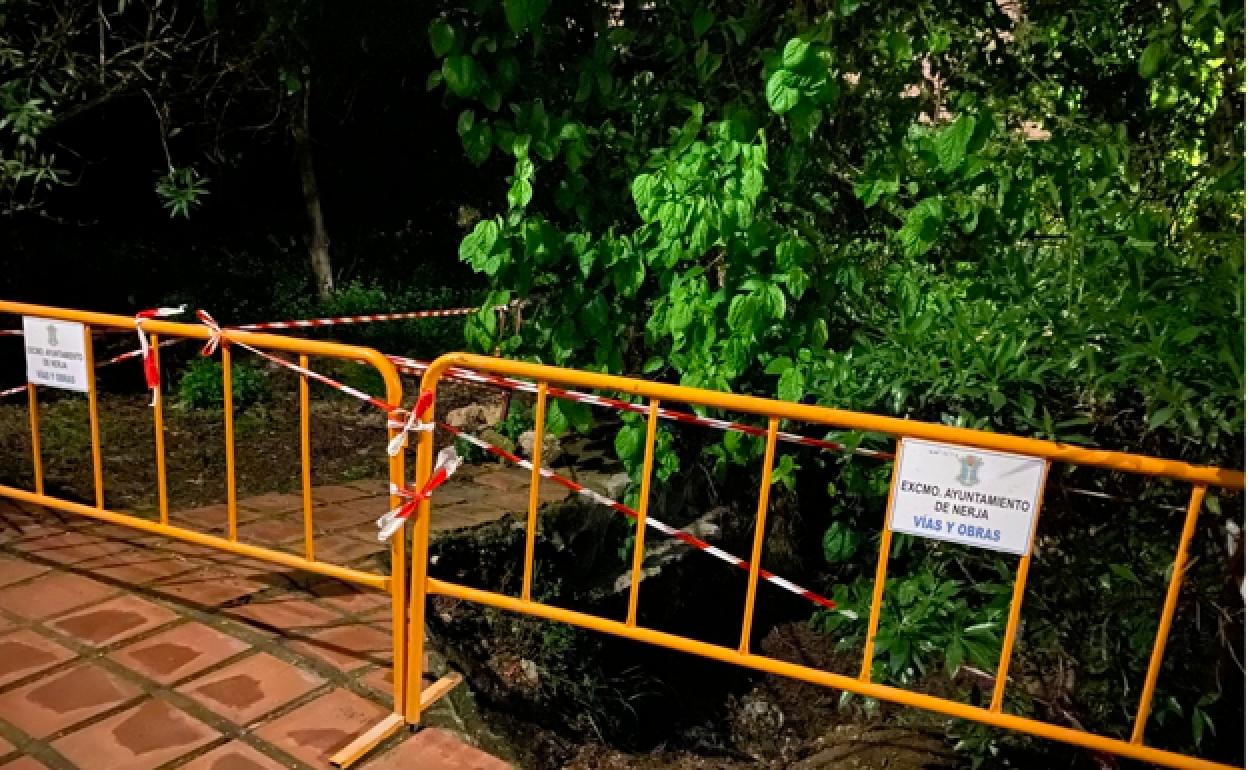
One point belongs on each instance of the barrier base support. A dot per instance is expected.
(369, 740)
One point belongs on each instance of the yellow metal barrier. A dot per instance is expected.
(422, 585)
(393, 584)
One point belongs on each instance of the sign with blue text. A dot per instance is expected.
(55, 353)
(965, 495)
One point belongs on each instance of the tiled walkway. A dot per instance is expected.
(120, 649)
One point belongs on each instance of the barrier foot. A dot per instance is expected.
(439, 689)
(369, 740)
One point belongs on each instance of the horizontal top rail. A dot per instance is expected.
(201, 332)
(848, 420)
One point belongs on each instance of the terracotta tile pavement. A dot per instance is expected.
(113, 620)
(436, 749)
(247, 690)
(53, 703)
(315, 731)
(14, 570)
(25, 652)
(179, 652)
(53, 594)
(235, 755)
(146, 736)
(24, 763)
(123, 650)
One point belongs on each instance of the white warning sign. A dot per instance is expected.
(966, 495)
(55, 353)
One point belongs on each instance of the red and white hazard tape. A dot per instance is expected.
(129, 354)
(666, 529)
(151, 372)
(312, 323)
(413, 366)
(447, 463)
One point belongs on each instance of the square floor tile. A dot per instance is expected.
(251, 688)
(113, 620)
(380, 680)
(347, 648)
(52, 595)
(348, 598)
(25, 652)
(24, 763)
(435, 749)
(53, 703)
(208, 518)
(234, 755)
(146, 736)
(14, 570)
(341, 549)
(270, 532)
(286, 613)
(357, 515)
(271, 502)
(179, 652)
(207, 587)
(316, 730)
(335, 494)
(140, 566)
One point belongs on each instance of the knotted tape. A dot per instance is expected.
(151, 371)
(448, 462)
(412, 424)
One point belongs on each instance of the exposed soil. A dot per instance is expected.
(778, 724)
(348, 442)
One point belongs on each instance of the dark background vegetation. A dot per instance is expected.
(1023, 217)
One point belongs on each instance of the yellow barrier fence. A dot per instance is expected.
(1200, 479)
(394, 584)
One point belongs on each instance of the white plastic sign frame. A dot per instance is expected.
(960, 494)
(56, 353)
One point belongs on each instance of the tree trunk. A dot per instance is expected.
(318, 236)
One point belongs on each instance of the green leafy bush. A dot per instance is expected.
(202, 387)
(893, 208)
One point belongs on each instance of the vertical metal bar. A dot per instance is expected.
(1016, 605)
(32, 397)
(305, 460)
(881, 573)
(1167, 612)
(643, 505)
(231, 493)
(535, 481)
(760, 532)
(158, 418)
(420, 571)
(93, 415)
(398, 559)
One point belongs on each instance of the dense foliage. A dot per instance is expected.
(1020, 217)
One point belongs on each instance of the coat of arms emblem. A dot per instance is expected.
(968, 470)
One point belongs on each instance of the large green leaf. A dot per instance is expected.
(480, 242)
(703, 18)
(1152, 58)
(792, 385)
(441, 37)
(461, 74)
(951, 143)
(922, 227)
(795, 53)
(782, 95)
